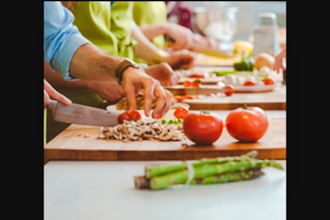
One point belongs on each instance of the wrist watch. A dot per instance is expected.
(123, 66)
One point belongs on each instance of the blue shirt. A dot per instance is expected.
(61, 37)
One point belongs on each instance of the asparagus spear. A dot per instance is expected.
(157, 170)
(180, 177)
(142, 182)
(229, 177)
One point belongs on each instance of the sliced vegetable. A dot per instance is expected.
(180, 112)
(229, 90)
(268, 81)
(196, 75)
(129, 116)
(196, 83)
(244, 64)
(249, 83)
(222, 72)
(177, 121)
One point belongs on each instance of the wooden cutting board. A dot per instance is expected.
(272, 100)
(79, 142)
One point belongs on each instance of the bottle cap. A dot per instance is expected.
(268, 18)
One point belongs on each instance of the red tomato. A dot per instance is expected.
(129, 116)
(202, 128)
(180, 112)
(249, 83)
(247, 124)
(196, 83)
(196, 75)
(180, 98)
(186, 83)
(268, 81)
(229, 90)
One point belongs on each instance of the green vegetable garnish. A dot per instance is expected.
(172, 121)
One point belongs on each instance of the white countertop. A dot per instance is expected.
(104, 190)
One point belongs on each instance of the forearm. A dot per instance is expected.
(147, 50)
(154, 30)
(56, 79)
(59, 47)
(281, 55)
(90, 63)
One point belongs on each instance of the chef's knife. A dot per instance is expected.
(82, 114)
(205, 90)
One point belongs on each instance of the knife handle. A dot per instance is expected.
(52, 106)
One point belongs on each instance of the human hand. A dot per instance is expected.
(181, 37)
(50, 92)
(180, 59)
(111, 92)
(278, 63)
(137, 80)
(164, 73)
(206, 41)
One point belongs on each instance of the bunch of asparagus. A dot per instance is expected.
(204, 171)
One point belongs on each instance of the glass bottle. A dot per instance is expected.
(265, 35)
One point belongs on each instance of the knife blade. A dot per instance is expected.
(205, 90)
(82, 114)
(224, 51)
(213, 52)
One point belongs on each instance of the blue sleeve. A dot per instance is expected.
(61, 37)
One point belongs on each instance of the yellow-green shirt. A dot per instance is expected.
(152, 12)
(108, 27)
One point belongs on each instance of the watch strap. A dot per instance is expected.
(122, 67)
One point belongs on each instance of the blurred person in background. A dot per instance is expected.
(110, 26)
(156, 27)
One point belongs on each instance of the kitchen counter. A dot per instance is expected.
(103, 190)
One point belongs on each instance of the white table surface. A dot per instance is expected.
(104, 190)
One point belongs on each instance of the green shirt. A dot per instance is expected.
(107, 27)
(152, 12)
